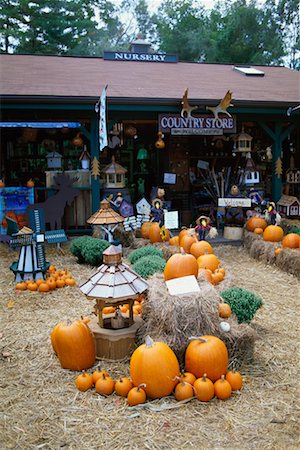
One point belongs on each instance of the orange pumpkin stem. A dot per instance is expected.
(204, 377)
(149, 342)
(140, 386)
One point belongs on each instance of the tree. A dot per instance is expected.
(9, 24)
(289, 22)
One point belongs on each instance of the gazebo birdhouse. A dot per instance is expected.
(107, 219)
(243, 142)
(114, 284)
(114, 175)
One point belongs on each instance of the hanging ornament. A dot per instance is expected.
(160, 143)
(77, 141)
(278, 168)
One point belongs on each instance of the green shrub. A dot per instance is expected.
(149, 250)
(77, 245)
(295, 230)
(242, 302)
(89, 250)
(149, 265)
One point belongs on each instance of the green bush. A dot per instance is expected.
(295, 230)
(242, 302)
(89, 250)
(149, 250)
(77, 245)
(149, 265)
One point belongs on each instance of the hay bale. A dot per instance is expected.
(174, 319)
(167, 249)
(288, 260)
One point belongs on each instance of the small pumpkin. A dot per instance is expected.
(155, 365)
(183, 391)
(30, 183)
(51, 283)
(136, 395)
(22, 286)
(258, 231)
(188, 377)
(235, 380)
(98, 374)
(40, 281)
(201, 248)
(222, 388)
(273, 233)
(224, 310)
(32, 286)
(60, 283)
(209, 261)
(84, 382)
(217, 277)
(2, 184)
(145, 228)
(104, 385)
(206, 274)
(204, 389)
(70, 281)
(256, 222)
(174, 240)
(123, 386)
(187, 241)
(180, 265)
(44, 287)
(278, 251)
(207, 354)
(291, 240)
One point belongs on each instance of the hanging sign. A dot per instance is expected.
(196, 125)
(171, 220)
(100, 108)
(235, 202)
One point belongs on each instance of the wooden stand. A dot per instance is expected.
(114, 344)
(233, 233)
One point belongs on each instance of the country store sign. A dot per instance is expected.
(198, 125)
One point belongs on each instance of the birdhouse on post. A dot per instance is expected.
(114, 175)
(107, 219)
(85, 159)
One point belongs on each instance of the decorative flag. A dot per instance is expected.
(100, 108)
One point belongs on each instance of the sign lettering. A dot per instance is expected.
(145, 57)
(175, 124)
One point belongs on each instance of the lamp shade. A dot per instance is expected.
(142, 154)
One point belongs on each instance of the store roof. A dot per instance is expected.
(84, 77)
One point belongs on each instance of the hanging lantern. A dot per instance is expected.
(160, 143)
(77, 141)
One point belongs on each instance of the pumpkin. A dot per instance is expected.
(74, 345)
(188, 377)
(104, 385)
(209, 261)
(40, 281)
(60, 283)
(155, 365)
(258, 231)
(32, 286)
(123, 386)
(206, 274)
(291, 241)
(2, 184)
(145, 228)
(222, 388)
(224, 310)
(136, 396)
(155, 233)
(235, 380)
(277, 251)
(256, 222)
(183, 391)
(174, 240)
(204, 389)
(30, 183)
(182, 233)
(273, 233)
(187, 241)
(22, 286)
(70, 281)
(217, 277)
(207, 354)
(201, 248)
(98, 374)
(44, 287)
(84, 382)
(180, 265)
(108, 310)
(51, 283)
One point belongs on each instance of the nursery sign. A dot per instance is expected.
(198, 125)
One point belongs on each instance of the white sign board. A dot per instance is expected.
(242, 202)
(170, 178)
(202, 164)
(183, 285)
(171, 220)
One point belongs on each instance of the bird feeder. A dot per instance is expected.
(243, 142)
(114, 284)
(114, 175)
(85, 159)
(54, 160)
(107, 219)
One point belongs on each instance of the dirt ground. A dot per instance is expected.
(40, 407)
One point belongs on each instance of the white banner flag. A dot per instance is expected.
(100, 108)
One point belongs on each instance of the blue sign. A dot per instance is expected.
(40, 124)
(14, 200)
(144, 57)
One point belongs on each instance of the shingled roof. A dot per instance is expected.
(82, 79)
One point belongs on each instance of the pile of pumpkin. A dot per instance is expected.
(154, 372)
(273, 233)
(196, 258)
(137, 307)
(54, 279)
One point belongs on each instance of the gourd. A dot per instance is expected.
(74, 345)
(224, 310)
(222, 388)
(136, 395)
(180, 265)
(84, 382)
(235, 380)
(204, 389)
(123, 386)
(207, 355)
(155, 365)
(273, 233)
(105, 385)
(200, 248)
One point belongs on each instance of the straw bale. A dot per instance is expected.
(174, 319)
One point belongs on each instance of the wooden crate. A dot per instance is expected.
(114, 344)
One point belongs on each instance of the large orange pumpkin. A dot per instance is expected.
(145, 229)
(74, 345)
(208, 262)
(155, 233)
(201, 248)
(187, 241)
(273, 233)
(291, 241)
(207, 355)
(180, 265)
(256, 222)
(155, 365)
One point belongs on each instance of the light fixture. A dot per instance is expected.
(142, 154)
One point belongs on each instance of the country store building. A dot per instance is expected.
(48, 114)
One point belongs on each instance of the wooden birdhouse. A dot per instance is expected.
(114, 175)
(54, 160)
(107, 219)
(243, 142)
(289, 206)
(251, 174)
(85, 159)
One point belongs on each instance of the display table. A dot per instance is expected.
(81, 208)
